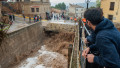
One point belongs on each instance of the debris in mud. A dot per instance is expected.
(54, 54)
(52, 59)
(60, 42)
(45, 59)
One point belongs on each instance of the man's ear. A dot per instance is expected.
(88, 22)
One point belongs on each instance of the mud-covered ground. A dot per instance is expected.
(60, 42)
(53, 54)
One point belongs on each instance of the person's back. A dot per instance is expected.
(109, 43)
(38, 18)
(13, 17)
(10, 17)
(110, 32)
(24, 17)
(29, 19)
(114, 34)
(75, 19)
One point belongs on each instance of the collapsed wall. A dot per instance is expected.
(20, 43)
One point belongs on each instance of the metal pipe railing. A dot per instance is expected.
(82, 45)
(84, 62)
(86, 28)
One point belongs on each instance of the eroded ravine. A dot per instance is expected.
(53, 54)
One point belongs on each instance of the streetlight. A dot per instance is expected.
(87, 1)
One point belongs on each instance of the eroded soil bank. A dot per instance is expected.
(53, 54)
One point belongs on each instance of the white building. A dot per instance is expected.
(76, 10)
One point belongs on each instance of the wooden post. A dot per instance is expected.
(69, 54)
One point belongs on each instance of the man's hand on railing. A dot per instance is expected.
(90, 58)
(86, 41)
(85, 52)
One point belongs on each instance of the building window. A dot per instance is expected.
(41, 0)
(81, 9)
(110, 17)
(37, 9)
(44, 9)
(112, 4)
(17, 0)
(26, 0)
(76, 9)
(32, 10)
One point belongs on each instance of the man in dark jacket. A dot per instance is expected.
(13, 17)
(10, 17)
(107, 40)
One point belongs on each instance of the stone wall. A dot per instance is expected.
(20, 43)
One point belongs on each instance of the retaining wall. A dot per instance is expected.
(20, 43)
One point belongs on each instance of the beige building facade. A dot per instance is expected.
(111, 10)
(34, 7)
(76, 10)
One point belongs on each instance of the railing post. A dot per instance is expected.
(69, 53)
(80, 33)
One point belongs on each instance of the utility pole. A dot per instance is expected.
(87, 1)
(75, 11)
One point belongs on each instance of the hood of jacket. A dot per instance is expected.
(103, 25)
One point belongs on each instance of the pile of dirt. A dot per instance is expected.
(60, 42)
(52, 60)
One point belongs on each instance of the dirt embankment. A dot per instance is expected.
(60, 42)
(53, 54)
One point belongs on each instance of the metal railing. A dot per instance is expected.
(76, 59)
(82, 45)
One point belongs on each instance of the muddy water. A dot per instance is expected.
(53, 54)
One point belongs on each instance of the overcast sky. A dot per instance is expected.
(69, 1)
